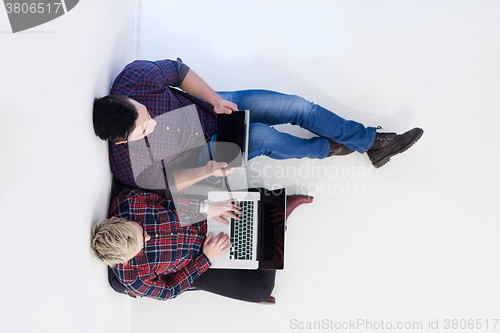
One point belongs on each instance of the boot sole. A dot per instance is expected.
(402, 150)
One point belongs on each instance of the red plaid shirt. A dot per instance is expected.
(150, 83)
(172, 259)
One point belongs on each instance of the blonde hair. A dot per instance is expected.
(114, 240)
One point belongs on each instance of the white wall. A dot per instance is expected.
(54, 178)
(413, 242)
(417, 241)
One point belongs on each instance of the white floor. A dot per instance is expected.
(415, 242)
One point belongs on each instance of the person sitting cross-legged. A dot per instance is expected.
(147, 90)
(153, 255)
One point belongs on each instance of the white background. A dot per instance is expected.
(417, 240)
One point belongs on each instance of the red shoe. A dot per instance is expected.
(294, 201)
(270, 301)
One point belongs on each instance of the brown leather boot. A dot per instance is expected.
(338, 149)
(387, 145)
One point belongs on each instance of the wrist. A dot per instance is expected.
(207, 172)
(205, 205)
(215, 99)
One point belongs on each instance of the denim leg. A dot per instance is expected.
(268, 141)
(273, 108)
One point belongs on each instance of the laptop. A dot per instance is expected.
(258, 239)
(232, 138)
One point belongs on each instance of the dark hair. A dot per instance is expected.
(114, 117)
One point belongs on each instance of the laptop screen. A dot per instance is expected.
(231, 136)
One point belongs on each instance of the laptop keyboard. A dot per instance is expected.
(242, 232)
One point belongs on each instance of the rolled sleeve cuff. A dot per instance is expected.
(190, 206)
(182, 70)
(202, 262)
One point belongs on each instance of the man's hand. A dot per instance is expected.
(217, 169)
(214, 248)
(184, 178)
(223, 106)
(224, 208)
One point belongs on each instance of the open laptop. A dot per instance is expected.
(258, 239)
(232, 138)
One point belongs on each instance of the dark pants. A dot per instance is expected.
(245, 285)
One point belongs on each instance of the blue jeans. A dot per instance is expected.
(269, 108)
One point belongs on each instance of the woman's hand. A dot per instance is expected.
(214, 248)
(223, 208)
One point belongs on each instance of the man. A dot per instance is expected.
(153, 255)
(145, 90)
